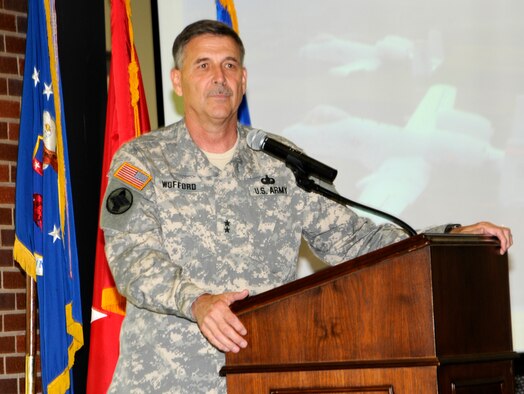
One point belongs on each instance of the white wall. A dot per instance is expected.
(419, 104)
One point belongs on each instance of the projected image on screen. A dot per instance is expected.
(419, 105)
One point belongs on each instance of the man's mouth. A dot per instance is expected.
(220, 91)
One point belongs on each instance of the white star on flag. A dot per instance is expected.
(48, 91)
(35, 76)
(55, 233)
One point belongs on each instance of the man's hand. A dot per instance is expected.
(219, 325)
(487, 228)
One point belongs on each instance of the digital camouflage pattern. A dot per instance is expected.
(177, 227)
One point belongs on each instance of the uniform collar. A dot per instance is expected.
(245, 159)
(190, 160)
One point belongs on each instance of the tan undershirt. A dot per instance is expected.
(220, 160)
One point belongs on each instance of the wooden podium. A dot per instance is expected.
(430, 314)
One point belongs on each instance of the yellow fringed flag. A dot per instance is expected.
(45, 243)
(226, 13)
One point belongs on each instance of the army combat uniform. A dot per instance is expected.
(177, 227)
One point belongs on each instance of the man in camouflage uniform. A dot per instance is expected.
(195, 220)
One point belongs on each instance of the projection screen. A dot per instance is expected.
(419, 104)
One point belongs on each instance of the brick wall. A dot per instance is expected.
(13, 23)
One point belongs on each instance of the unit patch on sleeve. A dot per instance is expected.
(133, 176)
(119, 201)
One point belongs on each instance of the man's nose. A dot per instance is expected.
(218, 76)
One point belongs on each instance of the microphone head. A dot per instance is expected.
(255, 139)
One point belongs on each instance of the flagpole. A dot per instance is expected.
(30, 336)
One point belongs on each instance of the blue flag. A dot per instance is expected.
(45, 243)
(226, 14)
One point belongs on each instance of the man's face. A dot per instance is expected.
(211, 79)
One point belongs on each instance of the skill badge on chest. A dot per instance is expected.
(268, 186)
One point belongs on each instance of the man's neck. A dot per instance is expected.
(213, 137)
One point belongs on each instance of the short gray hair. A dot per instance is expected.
(199, 28)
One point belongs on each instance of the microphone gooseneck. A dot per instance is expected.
(304, 168)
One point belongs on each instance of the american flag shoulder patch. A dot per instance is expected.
(133, 176)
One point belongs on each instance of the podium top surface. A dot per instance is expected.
(420, 241)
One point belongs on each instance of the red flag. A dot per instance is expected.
(126, 118)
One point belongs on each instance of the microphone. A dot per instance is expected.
(259, 140)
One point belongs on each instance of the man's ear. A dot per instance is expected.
(176, 80)
(244, 80)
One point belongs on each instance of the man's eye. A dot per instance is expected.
(203, 66)
(230, 65)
